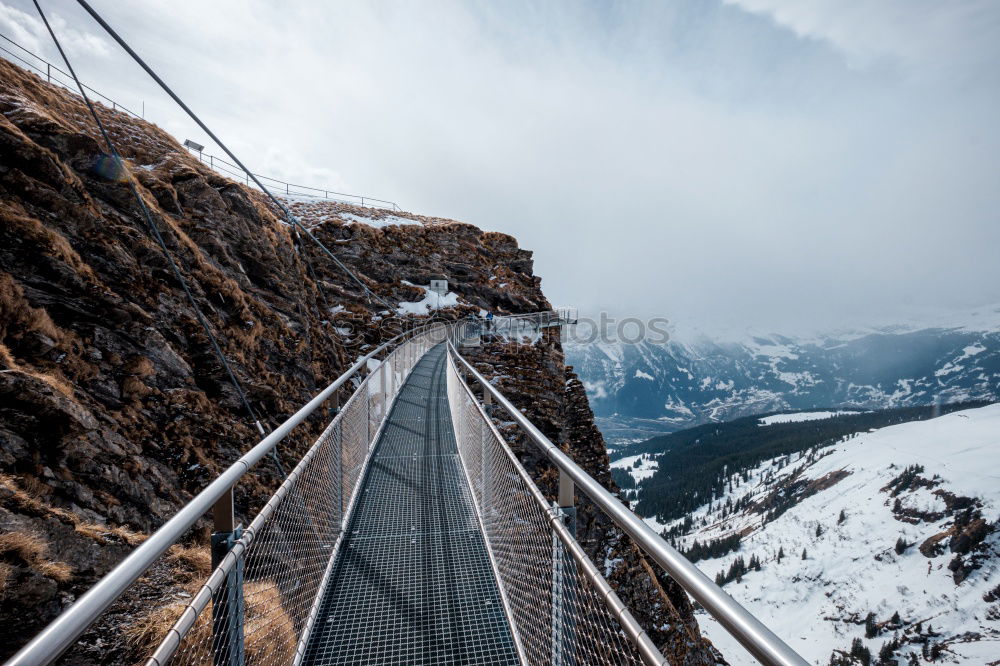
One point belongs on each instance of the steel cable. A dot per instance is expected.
(295, 222)
(152, 226)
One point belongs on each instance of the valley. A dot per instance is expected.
(869, 545)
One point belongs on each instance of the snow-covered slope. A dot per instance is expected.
(897, 520)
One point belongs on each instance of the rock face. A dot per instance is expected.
(114, 409)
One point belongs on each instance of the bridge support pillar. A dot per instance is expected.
(567, 502)
(227, 602)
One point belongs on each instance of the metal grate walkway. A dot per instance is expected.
(414, 583)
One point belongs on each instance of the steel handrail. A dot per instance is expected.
(72, 622)
(751, 633)
(633, 630)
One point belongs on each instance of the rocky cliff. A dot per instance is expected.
(114, 409)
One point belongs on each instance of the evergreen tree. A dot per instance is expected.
(819, 530)
(895, 619)
(886, 653)
(842, 517)
(860, 652)
(901, 545)
(781, 552)
(871, 629)
(804, 556)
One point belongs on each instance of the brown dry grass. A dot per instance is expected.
(32, 551)
(146, 633)
(5, 571)
(18, 316)
(140, 366)
(55, 382)
(46, 238)
(14, 497)
(7, 358)
(132, 387)
(190, 561)
(104, 534)
(269, 630)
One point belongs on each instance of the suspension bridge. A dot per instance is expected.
(409, 533)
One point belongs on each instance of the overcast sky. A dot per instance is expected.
(781, 164)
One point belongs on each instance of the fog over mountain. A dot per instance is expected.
(638, 390)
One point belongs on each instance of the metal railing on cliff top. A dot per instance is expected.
(56, 75)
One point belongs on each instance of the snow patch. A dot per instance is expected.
(800, 416)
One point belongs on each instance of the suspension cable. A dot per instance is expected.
(288, 213)
(155, 231)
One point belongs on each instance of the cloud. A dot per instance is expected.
(925, 34)
(28, 30)
(688, 160)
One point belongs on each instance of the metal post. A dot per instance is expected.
(560, 656)
(338, 457)
(227, 601)
(370, 398)
(567, 503)
(48, 72)
(485, 481)
(384, 385)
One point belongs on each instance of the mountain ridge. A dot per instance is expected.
(643, 389)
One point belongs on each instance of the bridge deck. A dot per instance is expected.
(413, 583)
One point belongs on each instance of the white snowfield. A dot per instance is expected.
(797, 417)
(646, 468)
(819, 604)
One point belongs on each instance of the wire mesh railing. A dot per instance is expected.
(526, 327)
(561, 608)
(261, 601)
(300, 520)
(751, 633)
(281, 187)
(56, 75)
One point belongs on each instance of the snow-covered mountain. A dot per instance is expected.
(887, 537)
(639, 390)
